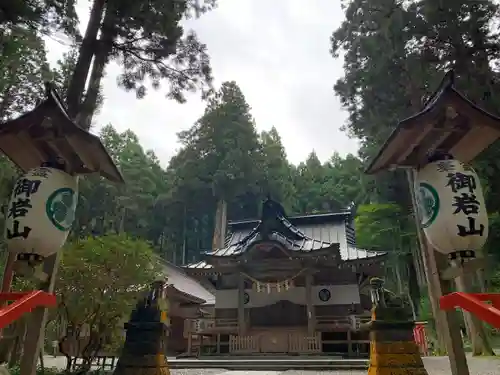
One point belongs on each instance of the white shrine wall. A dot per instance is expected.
(339, 295)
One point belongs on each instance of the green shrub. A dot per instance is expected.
(16, 370)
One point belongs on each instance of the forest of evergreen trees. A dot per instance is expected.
(395, 53)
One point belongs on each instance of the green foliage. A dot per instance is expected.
(23, 68)
(495, 282)
(100, 279)
(277, 171)
(45, 15)
(151, 43)
(225, 143)
(136, 207)
(394, 55)
(16, 370)
(385, 227)
(377, 226)
(146, 39)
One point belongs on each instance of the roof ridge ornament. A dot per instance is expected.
(449, 78)
(271, 207)
(274, 219)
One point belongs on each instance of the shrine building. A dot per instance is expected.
(286, 285)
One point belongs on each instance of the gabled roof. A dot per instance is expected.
(449, 122)
(47, 133)
(299, 220)
(273, 226)
(300, 234)
(347, 254)
(185, 284)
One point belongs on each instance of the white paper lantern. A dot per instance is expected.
(40, 212)
(451, 206)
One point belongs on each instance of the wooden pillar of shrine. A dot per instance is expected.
(311, 313)
(241, 305)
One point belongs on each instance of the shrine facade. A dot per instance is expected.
(287, 285)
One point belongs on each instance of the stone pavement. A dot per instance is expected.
(434, 365)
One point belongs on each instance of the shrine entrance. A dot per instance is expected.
(279, 314)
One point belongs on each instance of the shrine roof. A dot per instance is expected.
(299, 220)
(349, 253)
(301, 234)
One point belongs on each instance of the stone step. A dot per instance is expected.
(233, 363)
(264, 356)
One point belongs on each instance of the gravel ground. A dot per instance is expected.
(434, 366)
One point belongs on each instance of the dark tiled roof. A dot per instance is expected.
(273, 226)
(325, 234)
(299, 220)
(300, 233)
(348, 253)
(238, 243)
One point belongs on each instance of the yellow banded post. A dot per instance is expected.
(393, 351)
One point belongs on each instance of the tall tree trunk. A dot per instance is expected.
(40, 360)
(121, 228)
(6, 99)
(79, 78)
(480, 274)
(101, 57)
(413, 287)
(481, 280)
(397, 270)
(414, 312)
(419, 269)
(220, 225)
(16, 352)
(7, 343)
(475, 328)
(184, 237)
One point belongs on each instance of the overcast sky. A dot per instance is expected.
(278, 53)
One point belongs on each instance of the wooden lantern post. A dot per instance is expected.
(42, 137)
(448, 123)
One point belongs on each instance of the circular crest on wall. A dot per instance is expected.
(324, 295)
(246, 298)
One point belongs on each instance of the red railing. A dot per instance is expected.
(421, 338)
(475, 303)
(23, 303)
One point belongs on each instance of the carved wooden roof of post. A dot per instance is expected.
(47, 134)
(449, 122)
